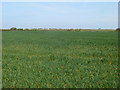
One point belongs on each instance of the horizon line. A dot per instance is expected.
(54, 28)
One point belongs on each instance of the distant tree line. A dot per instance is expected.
(40, 29)
(53, 29)
(14, 28)
(118, 29)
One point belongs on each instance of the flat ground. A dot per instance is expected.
(51, 59)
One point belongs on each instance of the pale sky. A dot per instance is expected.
(60, 15)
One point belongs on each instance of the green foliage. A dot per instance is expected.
(59, 59)
(13, 28)
(20, 29)
(26, 29)
(118, 29)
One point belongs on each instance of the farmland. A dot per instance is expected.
(59, 59)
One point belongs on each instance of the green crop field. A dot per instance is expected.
(59, 59)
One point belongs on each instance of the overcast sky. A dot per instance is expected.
(60, 15)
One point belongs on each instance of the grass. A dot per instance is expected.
(59, 59)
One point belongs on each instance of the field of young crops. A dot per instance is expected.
(59, 59)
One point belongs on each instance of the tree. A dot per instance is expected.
(21, 29)
(13, 28)
(118, 29)
(26, 29)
